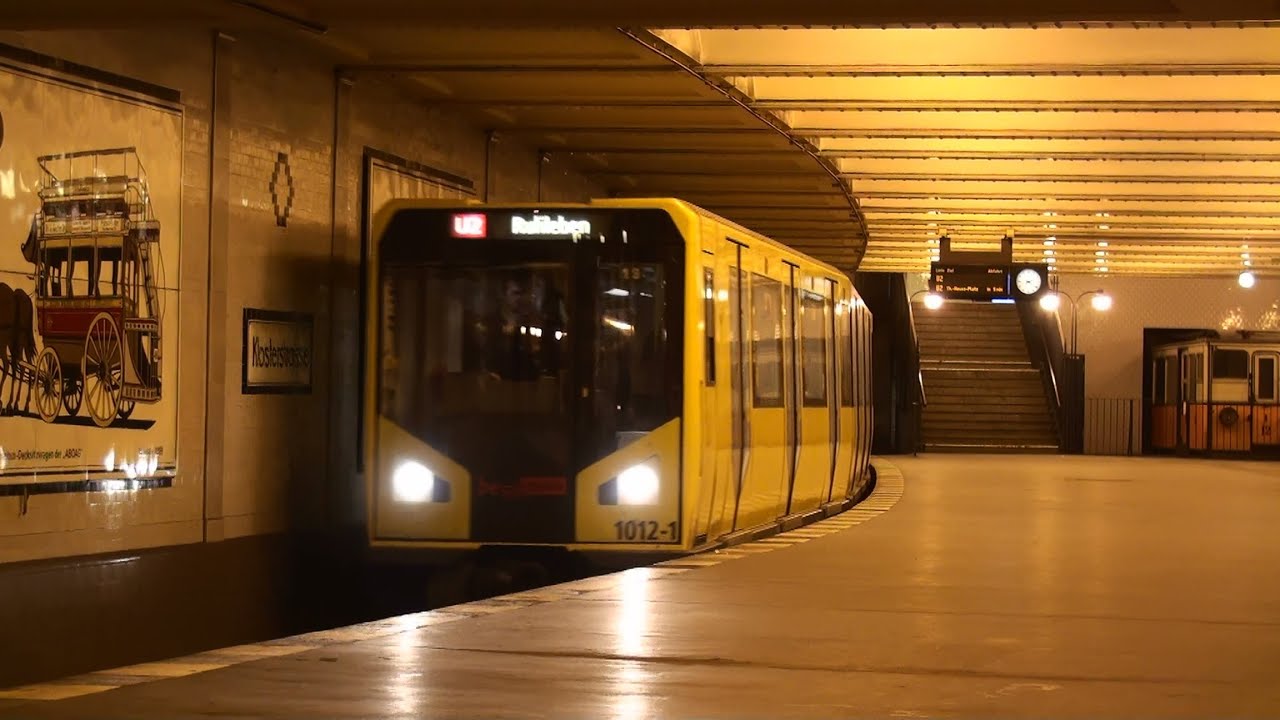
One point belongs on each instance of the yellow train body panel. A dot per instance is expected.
(767, 350)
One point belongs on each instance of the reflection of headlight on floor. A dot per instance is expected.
(638, 485)
(412, 482)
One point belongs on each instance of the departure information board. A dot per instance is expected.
(969, 281)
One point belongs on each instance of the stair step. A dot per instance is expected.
(970, 378)
(1045, 439)
(987, 383)
(950, 404)
(984, 414)
(990, 422)
(963, 445)
(1005, 428)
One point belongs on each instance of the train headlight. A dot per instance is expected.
(412, 482)
(638, 485)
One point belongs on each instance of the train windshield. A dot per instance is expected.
(527, 348)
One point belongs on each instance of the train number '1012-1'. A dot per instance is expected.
(641, 530)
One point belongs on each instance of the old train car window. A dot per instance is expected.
(844, 327)
(814, 349)
(1158, 383)
(766, 341)
(1267, 379)
(1196, 378)
(1230, 364)
(1171, 379)
(709, 318)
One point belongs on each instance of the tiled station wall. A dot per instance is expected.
(1112, 341)
(254, 109)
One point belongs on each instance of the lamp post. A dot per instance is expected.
(1101, 302)
(932, 300)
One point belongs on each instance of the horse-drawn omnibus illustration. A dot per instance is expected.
(95, 246)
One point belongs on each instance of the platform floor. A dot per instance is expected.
(998, 586)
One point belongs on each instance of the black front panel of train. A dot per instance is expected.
(527, 358)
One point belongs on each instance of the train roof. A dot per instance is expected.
(667, 203)
(1260, 338)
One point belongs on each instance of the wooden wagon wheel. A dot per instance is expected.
(72, 395)
(126, 409)
(102, 370)
(48, 384)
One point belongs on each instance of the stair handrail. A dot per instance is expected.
(915, 344)
(1046, 355)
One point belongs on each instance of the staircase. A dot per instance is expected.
(983, 393)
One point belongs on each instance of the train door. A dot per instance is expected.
(1266, 398)
(1192, 414)
(845, 426)
(765, 480)
(718, 478)
(791, 382)
(833, 385)
(862, 352)
(1183, 400)
(739, 429)
(814, 475)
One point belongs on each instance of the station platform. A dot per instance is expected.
(964, 586)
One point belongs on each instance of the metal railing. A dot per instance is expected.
(1045, 350)
(915, 348)
(920, 400)
(1111, 425)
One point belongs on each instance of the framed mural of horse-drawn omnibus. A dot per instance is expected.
(90, 197)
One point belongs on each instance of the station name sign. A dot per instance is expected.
(476, 225)
(969, 281)
(277, 355)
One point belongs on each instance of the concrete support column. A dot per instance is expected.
(219, 238)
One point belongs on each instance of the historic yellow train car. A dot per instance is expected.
(1219, 395)
(617, 377)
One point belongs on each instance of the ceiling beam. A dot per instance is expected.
(1153, 134)
(1054, 155)
(997, 70)
(674, 54)
(1056, 106)
(508, 68)
(654, 13)
(1068, 197)
(1108, 179)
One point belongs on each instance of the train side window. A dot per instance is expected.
(766, 341)
(855, 320)
(867, 389)
(814, 349)
(709, 318)
(1230, 364)
(844, 327)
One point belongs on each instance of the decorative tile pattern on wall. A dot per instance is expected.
(282, 189)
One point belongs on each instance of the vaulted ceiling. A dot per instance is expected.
(859, 134)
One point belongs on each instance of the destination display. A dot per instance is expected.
(969, 281)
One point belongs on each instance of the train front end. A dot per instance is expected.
(524, 379)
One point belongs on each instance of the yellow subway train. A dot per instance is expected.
(614, 378)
